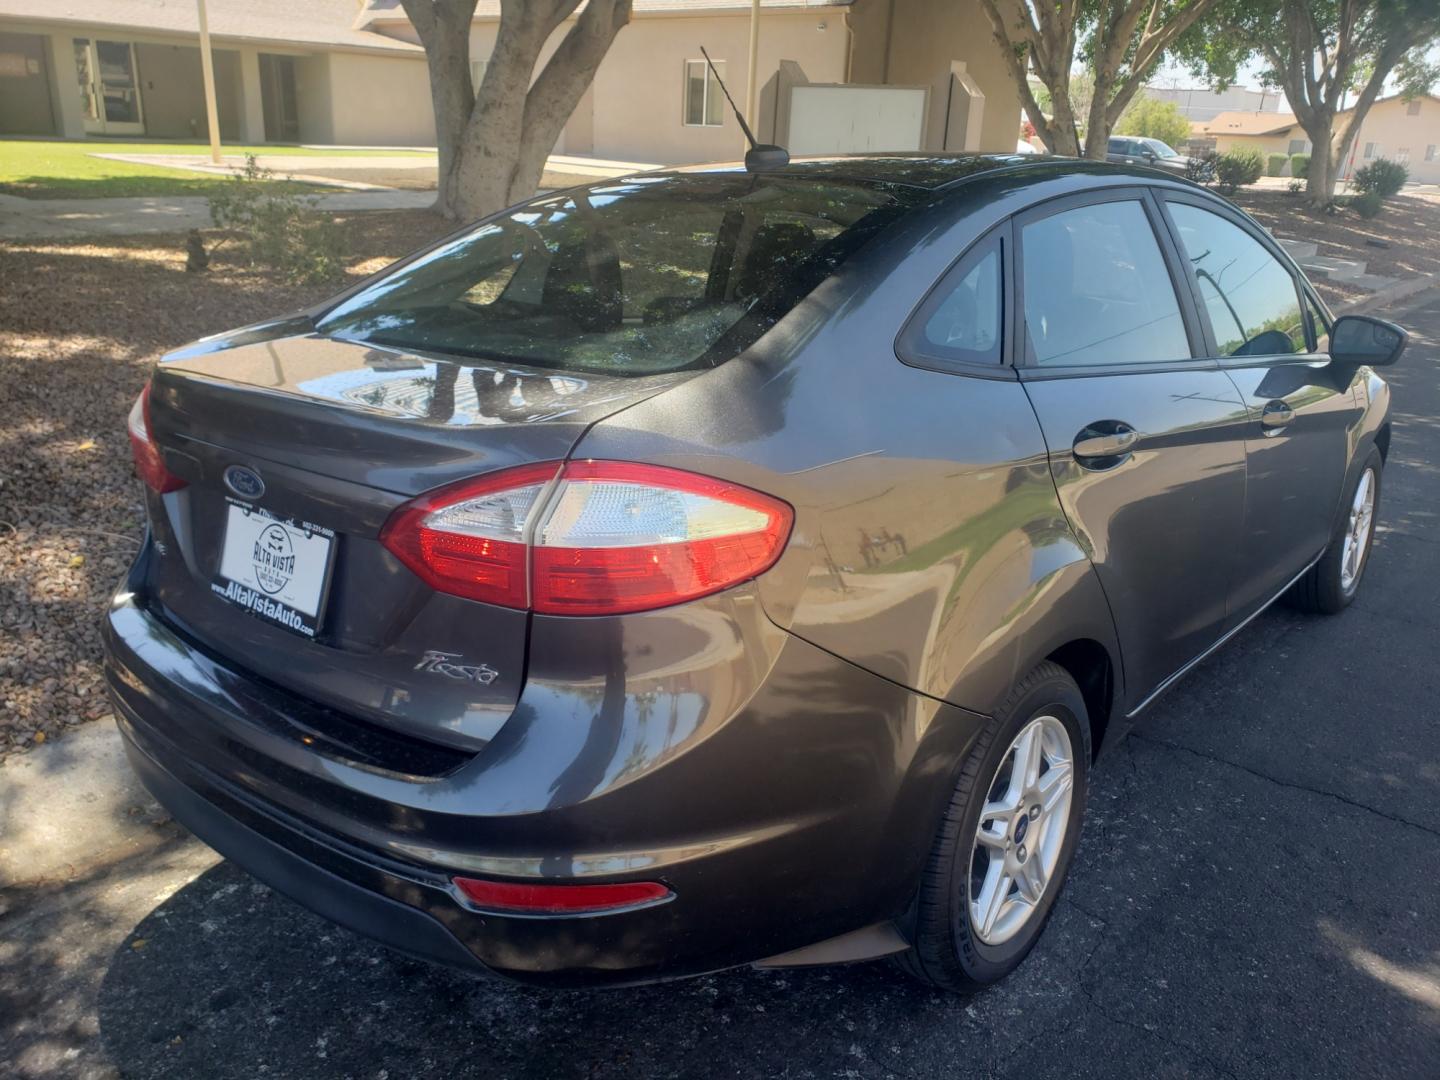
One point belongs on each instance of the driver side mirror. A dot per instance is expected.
(1360, 339)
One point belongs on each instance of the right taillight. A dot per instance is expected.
(149, 464)
(589, 537)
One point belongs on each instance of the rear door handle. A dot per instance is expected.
(1275, 416)
(1105, 443)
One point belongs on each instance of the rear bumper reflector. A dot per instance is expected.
(528, 899)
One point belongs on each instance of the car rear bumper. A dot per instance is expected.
(769, 839)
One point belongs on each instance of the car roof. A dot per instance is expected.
(929, 172)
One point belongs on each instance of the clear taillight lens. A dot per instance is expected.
(149, 463)
(591, 538)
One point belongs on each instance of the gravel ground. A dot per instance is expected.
(81, 323)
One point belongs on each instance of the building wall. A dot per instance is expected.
(913, 42)
(25, 106)
(1266, 144)
(1202, 104)
(378, 101)
(634, 109)
(172, 91)
(312, 98)
(1399, 136)
(641, 119)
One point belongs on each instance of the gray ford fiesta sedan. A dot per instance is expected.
(717, 567)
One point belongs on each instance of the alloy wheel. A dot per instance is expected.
(1021, 830)
(1357, 533)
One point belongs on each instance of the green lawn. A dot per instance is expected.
(65, 169)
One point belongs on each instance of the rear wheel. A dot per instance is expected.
(1330, 585)
(1007, 838)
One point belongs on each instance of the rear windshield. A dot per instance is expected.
(642, 276)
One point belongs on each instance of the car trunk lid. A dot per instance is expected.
(295, 451)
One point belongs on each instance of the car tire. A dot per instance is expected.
(1329, 586)
(951, 948)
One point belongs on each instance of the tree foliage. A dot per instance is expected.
(1319, 52)
(1120, 42)
(1155, 119)
(493, 139)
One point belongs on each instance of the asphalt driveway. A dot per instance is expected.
(1257, 894)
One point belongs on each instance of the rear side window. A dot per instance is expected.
(642, 276)
(1097, 290)
(961, 321)
(1249, 296)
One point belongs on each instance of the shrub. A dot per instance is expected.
(1382, 176)
(281, 229)
(1295, 187)
(1299, 165)
(1239, 167)
(1200, 168)
(1275, 164)
(1367, 204)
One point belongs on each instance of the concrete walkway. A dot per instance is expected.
(36, 219)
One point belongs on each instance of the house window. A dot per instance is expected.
(1369, 150)
(1430, 152)
(477, 74)
(1299, 146)
(1413, 108)
(1403, 155)
(704, 100)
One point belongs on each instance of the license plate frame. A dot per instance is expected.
(275, 568)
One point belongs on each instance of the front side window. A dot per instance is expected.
(704, 100)
(638, 277)
(1249, 296)
(1097, 290)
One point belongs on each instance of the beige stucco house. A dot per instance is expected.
(1404, 131)
(285, 71)
(832, 74)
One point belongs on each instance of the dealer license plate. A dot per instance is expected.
(274, 568)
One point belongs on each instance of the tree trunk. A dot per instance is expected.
(494, 139)
(1320, 176)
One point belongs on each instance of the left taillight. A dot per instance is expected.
(149, 463)
(589, 537)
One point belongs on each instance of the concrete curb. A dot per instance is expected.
(1401, 290)
(68, 805)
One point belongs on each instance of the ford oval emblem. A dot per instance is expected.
(244, 482)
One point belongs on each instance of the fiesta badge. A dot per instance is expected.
(244, 482)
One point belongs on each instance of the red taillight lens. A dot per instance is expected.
(149, 464)
(468, 539)
(559, 899)
(607, 537)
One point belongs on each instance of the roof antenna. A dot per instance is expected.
(760, 156)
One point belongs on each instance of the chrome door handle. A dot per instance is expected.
(1275, 416)
(1105, 443)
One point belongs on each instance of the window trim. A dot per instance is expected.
(704, 95)
(1269, 244)
(911, 343)
(1184, 297)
